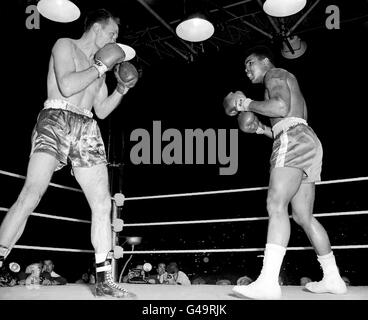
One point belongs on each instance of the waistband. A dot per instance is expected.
(286, 124)
(65, 105)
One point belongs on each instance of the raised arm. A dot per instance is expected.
(69, 80)
(278, 93)
(127, 76)
(249, 123)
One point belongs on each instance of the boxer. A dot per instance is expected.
(296, 163)
(65, 131)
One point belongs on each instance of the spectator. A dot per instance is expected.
(161, 273)
(304, 281)
(87, 277)
(8, 277)
(198, 280)
(49, 276)
(223, 282)
(84, 278)
(136, 275)
(32, 274)
(243, 281)
(175, 276)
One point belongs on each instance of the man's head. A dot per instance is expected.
(161, 268)
(172, 268)
(103, 25)
(257, 62)
(34, 269)
(48, 266)
(304, 281)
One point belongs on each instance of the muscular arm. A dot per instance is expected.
(69, 80)
(249, 123)
(104, 104)
(277, 89)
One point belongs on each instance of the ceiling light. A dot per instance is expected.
(283, 8)
(58, 10)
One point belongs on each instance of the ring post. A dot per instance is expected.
(114, 239)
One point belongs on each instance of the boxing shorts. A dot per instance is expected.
(68, 132)
(296, 145)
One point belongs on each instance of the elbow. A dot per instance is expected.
(65, 89)
(100, 115)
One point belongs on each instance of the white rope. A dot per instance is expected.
(51, 184)
(52, 249)
(188, 194)
(50, 216)
(330, 214)
(362, 246)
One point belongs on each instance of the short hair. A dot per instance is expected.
(261, 52)
(172, 267)
(101, 16)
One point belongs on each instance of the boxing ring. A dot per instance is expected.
(172, 292)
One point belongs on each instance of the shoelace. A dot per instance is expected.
(113, 284)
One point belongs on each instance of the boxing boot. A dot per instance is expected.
(105, 284)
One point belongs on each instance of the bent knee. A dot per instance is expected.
(302, 218)
(276, 205)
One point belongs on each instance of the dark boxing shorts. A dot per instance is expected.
(68, 132)
(296, 145)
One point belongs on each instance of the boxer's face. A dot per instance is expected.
(254, 68)
(107, 33)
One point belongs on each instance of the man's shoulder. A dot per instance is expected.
(63, 43)
(278, 74)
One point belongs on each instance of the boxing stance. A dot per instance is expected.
(65, 130)
(296, 163)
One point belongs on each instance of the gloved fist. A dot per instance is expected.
(235, 102)
(107, 57)
(126, 75)
(249, 123)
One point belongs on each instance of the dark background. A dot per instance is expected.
(332, 74)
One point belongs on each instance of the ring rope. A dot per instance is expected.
(51, 183)
(361, 246)
(235, 190)
(238, 219)
(193, 193)
(52, 249)
(50, 216)
(144, 224)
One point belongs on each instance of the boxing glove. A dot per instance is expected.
(126, 75)
(235, 102)
(249, 123)
(107, 57)
(229, 104)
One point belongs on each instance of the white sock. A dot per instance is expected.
(328, 264)
(100, 257)
(273, 257)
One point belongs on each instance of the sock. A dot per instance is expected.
(328, 264)
(273, 257)
(4, 251)
(100, 257)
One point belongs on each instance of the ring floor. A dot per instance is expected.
(167, 292)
